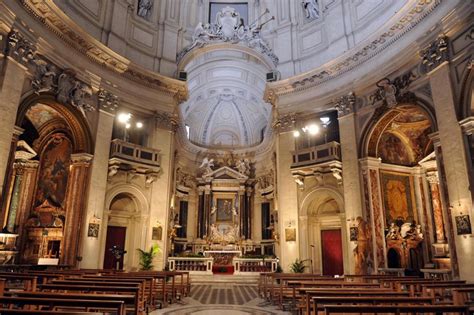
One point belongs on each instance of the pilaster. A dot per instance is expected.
(455, 155)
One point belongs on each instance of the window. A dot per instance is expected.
(187, 131)
(241, 7)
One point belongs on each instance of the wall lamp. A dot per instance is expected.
(312, 129)
(126, 120)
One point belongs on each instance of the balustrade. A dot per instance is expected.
(192, 264)
(318, 154)
(254, 265)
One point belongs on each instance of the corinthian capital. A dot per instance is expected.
(435, 54)
(432, 177)
(345, 104)
(19, 48)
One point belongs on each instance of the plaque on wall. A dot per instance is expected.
(290, 234)
(93, 230)
(354, 233)
(463, 224)
(157, 233)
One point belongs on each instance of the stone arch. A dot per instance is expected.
(76, 122)
(329, 191)
(466, 95)
(400, 135)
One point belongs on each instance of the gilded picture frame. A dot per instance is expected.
(290, 234)
(93, 230)
(463, 224)
(398, 196)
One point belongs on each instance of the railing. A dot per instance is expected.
(322, 153)
(254, 265)
(198, 265)
(134, 153)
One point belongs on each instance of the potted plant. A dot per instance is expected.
(297, 266)
(146, 257)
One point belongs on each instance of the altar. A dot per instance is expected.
(223, 257)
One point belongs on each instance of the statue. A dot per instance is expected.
(207, 164)
(311, 9)
(393, 232)
(243, 166)
(45, 77)
(144, 8)
(361, 251)
(389, 92)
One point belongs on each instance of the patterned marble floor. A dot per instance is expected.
(214, 299)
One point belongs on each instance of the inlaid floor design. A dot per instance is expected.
(222, 298)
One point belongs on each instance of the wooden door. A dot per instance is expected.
(115, 237)
(331, 242)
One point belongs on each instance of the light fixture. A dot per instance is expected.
(124, 117)
(296, 133)
(139, 125)
(325, 120)
(312, 129)
(127, 125)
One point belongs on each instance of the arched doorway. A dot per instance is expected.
(45, 205)
(126, 226)
(323, 242)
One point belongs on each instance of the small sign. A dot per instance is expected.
(290, 234)
(157, 233)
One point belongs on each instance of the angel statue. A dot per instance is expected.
(311, 9)
(207, 164)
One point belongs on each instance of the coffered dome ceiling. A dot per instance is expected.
(225, 108)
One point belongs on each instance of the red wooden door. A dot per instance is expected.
(115, 237)
(331, 241)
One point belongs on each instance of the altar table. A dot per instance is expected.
(222, 257)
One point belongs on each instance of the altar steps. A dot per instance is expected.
(224, 279)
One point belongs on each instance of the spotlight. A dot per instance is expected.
(313, 129)
(296, 133)
(124, 117)
(325, 120)
(139, 125)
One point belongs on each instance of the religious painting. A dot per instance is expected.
(463, 224)
(93, 230)
(224, 210)
(290, 234)
(354, 233)
(157, 233)
(54, 171)
(392, 150)
(398, 196)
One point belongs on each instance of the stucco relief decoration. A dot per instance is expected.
(19, 48)
(144, 8)
(345, 104)
(284, 122)
(229, 27)
(167, 120)
(207, 165)
(391, 93)
(435, 54)
(184, 179)
(63, 83)
(243, 166)
(311, 9)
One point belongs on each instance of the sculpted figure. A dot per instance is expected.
(144, 8)
(311, 9)
(207, 164)
(393, 232)
(361, 252)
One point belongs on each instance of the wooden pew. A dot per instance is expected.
(15, 312)
(308, 293)
(10, 302)
(397, 309)
(319, 302)
(138, 305)
(463, 296)
(29, 282)
(126, 299)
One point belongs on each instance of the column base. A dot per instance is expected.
(440, 250)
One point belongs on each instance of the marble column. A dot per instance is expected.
(97, 189)
(243, 214)
(200, 226)
(11, 87)
(433, 180)
(350, 167)
(75, 206)
(207, 211)
(454, 149)
(15, 196)
(287, 192)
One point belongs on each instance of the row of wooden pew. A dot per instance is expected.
(357, 294)
(90, 291)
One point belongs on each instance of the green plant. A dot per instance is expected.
(146, 257)
(297, 266)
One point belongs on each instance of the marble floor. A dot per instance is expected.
(221, 298)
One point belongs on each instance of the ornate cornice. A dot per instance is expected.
(60, 24)
(285, 122)
(359, 55)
